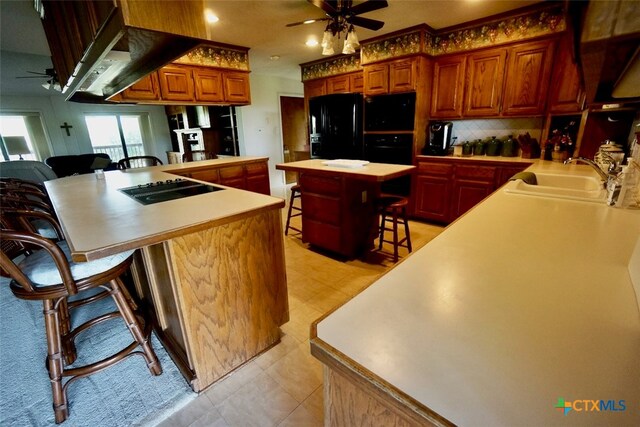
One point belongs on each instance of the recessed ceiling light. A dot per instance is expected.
(210, 16)
(274, 57)
(311, 42)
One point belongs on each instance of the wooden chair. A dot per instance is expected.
(196, 155)
(295, 194)
(138, 162)
(48, 274)
(393, 209)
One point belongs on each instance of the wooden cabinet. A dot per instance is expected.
(527, 78)
(567, 94)
(356, 82)
(186, 85)
(236, 87)
(176, 83)
(338, 84)
(485, 73)
(251, 176)
(448, 87)
(433, 191)
(208, 84)
(399, 75)
(147, 88)
(446, 188)
(315, 88)
(471, 185)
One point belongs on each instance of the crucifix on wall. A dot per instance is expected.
(66, 127)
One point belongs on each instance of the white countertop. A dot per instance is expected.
(99, 220)
(370, 172)
(520, 302)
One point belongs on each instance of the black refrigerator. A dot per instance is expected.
(335, 126)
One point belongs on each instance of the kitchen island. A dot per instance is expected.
(211, 266)
(522, 312)
(339, 212)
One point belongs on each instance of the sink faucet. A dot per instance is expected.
(603, 175)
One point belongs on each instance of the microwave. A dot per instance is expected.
(393, 112)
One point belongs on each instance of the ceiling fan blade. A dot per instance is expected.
(370, 24)
(307, 21)
(329, 7)
(39, 74)
(369, 6)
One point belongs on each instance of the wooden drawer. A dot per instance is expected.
(320, 184)
(256, 169)
(321, 234)
(231, 172)
(480, 173)
(210, 175)
(321, 208)
(434, 168)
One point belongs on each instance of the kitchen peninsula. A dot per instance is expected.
(339, 202)
(520, 308)
(211, 266)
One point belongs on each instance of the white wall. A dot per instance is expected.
(259, 126)
(54, 111)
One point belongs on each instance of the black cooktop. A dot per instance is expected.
(171, 189)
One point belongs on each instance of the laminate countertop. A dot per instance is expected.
(522, 301)
(98, 220)
(377, 172)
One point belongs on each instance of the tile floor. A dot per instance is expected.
(283, 386)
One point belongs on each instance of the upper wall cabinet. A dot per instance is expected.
(567, 94)
(527, 78)
(448, 86)
(183, 84)
(485, 72)
(399, 75)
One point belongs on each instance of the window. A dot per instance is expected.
(119, 136)
(15, 126)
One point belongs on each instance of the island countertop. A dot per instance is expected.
(99, 220)
(520, 302)
(376, 172)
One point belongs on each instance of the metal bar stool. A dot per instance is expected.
(48, 274)
(295, 194)
(393, 209)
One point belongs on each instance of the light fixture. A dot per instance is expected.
(16, 145)
(311, 42)
(210, 16)
(335, 28)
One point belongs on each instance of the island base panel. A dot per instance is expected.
(219, 293)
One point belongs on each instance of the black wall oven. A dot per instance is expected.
(394, 112)
(393, 149)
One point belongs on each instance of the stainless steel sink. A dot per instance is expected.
(574, 187)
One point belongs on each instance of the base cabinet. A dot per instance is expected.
(251, 176)
(446, 188)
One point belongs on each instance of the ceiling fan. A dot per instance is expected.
(340, 12)
(49, 74)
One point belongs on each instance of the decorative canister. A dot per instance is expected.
(478, 148)
(509, 147)
(493, 147)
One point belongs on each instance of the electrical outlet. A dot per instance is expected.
(364, 197)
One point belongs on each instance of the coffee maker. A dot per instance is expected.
(439, 139)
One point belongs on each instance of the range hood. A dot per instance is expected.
(609, 36)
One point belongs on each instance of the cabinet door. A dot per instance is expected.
(338, 84)
(566, 94)
(236, 87)
(356, 82)
(527, 78)
(258, 178)
(467, 194)
(433, 193)
(145, 89)
(506, 172)
(376, 79)
(176, 83)
(207, 175)
(485, 74)
(315, 88)
(208, 83)
(402, 75)
(232, 176)
(448, 87)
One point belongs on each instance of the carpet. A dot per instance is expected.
(122, 395)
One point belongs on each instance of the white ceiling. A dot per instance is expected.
(259, 25)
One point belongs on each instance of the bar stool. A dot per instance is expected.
(48, 274)
(295, 194)
(393, 209)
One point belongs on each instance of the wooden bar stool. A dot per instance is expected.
(295, 194)
(48, 274)
(393, 209)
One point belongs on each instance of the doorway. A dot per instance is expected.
(294, 132)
